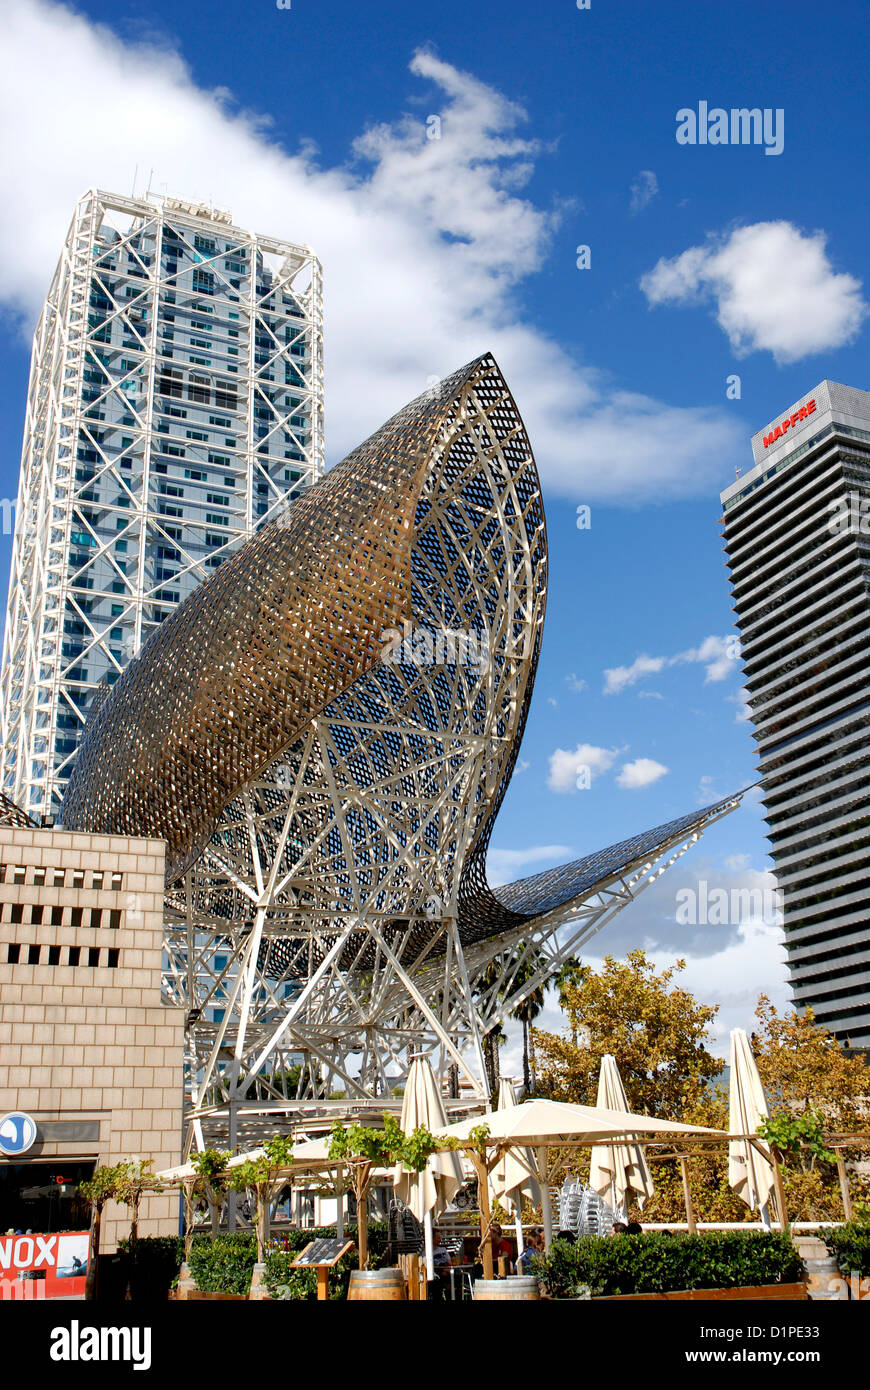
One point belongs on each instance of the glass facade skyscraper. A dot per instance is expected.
(175, 403)
(797, 533)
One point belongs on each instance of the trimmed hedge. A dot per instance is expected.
(657, 1263)
(223, 1263)
(850, 1246)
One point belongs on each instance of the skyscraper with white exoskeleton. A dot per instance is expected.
(175, 403)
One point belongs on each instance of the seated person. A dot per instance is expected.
(534, 1246)
(501, 1248)
(441, 1263)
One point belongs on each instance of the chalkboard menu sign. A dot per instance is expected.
(326, 1251)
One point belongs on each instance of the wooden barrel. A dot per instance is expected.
(376, 1285)
(522, 1286)
(824, 1281)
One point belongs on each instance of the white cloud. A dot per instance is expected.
(774, 288)
(744, 709)
(649, 695)
(643, 190)
(618, 678)
(503, 865)
(424, 242)
(707, 793)
(640, 773)
(736, 863)
(566, 767)
(719, 656)
(575, 683)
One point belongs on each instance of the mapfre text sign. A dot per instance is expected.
(36, 1266)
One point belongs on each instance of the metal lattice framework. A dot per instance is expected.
(175, 403)
(323, 733)
(10, 814)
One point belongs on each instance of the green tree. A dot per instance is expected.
(98, 1190)
(495, 1035)
(656, 1030)
(658, 1034)
(803, 1067)
(361, 1149)
(527, 1012)
(135, 1179)
(814, 1091)
(570, 975)
(264, 1176)
(208, 1180)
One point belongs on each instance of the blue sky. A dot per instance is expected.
(557, 130)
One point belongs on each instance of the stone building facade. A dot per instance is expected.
(87, 1050)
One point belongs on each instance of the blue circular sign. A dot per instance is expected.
(17, 1133)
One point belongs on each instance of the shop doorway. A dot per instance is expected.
(42, 1196)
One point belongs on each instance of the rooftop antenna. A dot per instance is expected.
(135, 176)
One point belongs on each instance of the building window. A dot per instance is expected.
(13, 953)
(114, 919)
(33, 955)
(74, 955)
(203, 282)
(170, 382)
(198, 389)
(93, 955)
(54, 955)
(57, 916)
(112, 960)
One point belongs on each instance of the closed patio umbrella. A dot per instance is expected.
(516, 1171)
(431, 1190)
(750, 1173)
(621, 1170)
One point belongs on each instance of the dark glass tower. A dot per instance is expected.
(797, 534)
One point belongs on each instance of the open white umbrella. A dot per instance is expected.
(623, 1170)
(541, 1123)
(431, 1190)
(536, 1122)
(516, 1171)
(750, 1173)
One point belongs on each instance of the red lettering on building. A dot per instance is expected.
(789, 423)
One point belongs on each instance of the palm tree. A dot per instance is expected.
(529, 963)
(527, 1012)
(495, 1035)
(570, 975)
